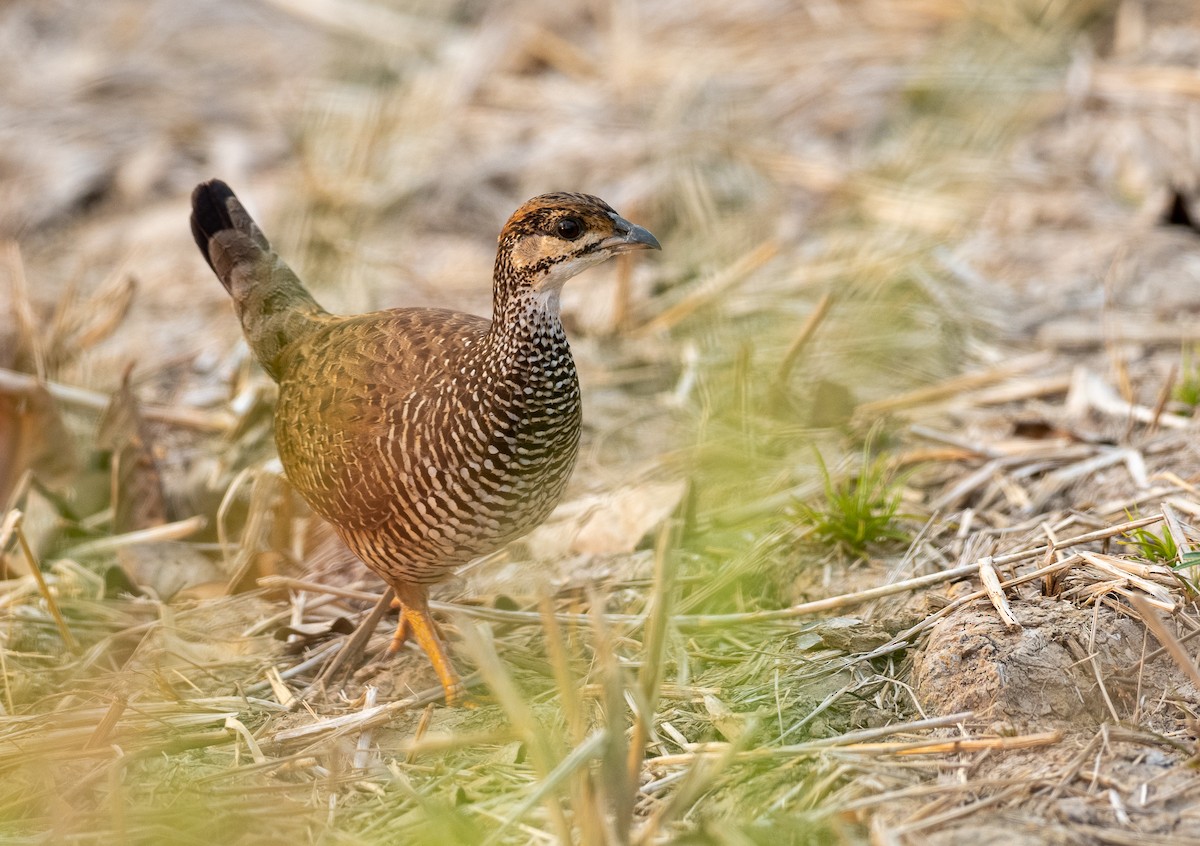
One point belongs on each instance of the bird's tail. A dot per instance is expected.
(273, 305)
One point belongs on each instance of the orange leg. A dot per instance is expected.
(415, 621)
(402, 630)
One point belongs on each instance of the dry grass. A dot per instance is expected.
(916, 238)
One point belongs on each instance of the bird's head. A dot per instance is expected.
(555, 236)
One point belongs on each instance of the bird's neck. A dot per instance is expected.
(520, 311)
(526, 327)
(535, 385)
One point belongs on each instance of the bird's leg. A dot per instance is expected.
(403, 629)
(415, 621)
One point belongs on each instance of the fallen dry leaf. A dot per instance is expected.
(137, 493)
(168, 568)
(33, 437)
(606, 523)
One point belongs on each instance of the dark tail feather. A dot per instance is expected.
(210, 213)
(215, 208)
(270, 301)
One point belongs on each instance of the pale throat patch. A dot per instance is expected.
(546, 298)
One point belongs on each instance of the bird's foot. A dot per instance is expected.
(416, 622)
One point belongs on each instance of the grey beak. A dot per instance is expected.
(629, 236)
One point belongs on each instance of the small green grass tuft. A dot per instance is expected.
(1149, 546)
(1187, 390)
(858, 510)
(1185, 571)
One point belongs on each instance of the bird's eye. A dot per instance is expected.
(570, 228)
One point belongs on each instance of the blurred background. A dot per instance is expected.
(856, 199)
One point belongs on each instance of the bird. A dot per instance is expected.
(426, 437)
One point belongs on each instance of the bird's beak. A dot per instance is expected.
(629, 236)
